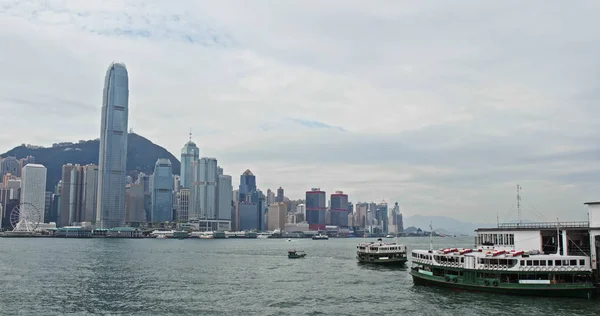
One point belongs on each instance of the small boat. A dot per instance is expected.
(320, 237)
(161, 236)
(293, 254)
(289, 239)
(389, 236)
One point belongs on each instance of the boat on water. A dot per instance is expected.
(320, 237)
(389, 236)
(516, 272)
(381, 253)
(296, 254)
(289, 239)
(161, 236)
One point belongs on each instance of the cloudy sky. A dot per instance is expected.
(443, 106)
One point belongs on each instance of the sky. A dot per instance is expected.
(443, 107)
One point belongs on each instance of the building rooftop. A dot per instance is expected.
(247, 173)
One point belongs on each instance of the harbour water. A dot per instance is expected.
(48, 276)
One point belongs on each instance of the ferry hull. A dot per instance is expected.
(390, 262)
(585, 291)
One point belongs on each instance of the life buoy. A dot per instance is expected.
(486, 282)
(495, 283)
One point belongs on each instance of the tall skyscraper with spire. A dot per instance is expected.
(113, 148)
(189, 154)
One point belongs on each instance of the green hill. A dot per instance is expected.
(141, 156)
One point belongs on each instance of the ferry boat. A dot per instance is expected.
(381, 253)
(296, 254)
(516, 272)
(320, 237)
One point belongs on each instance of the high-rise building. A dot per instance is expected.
(247, 185)
(134, 205)
(204, 189)
(381, 214)
(225, 193)
(270, 197)
(65, 196)
(113, 148)
(339, 209)
(162, 192)
(301, 209)
(77, 192)
(189, 154)
(9, 165)
(24, 161)
(183, 205)
(33, 193)
(276, 216)
(48, 207)
(316, 209)
(279, 195)
(90, 193)
(395, 221)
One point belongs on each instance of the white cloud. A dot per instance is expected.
(442, 107)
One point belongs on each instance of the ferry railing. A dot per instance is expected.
(549, 225)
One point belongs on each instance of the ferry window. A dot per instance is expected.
(522, 263)
(511, 239)
(573, 263)
(581, 262)
(528, 262)
(542, 262)
(495, 239)
(549, 263)
(565, 262)
(557, 263)
(536, 262)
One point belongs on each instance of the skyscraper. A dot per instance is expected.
(90, 198)
(113, 148)
(316, 209)
(279, 195)
(33, 192)
(247, 184)
(204, 189)
(9, 165)
(339, 209)
(189, 154)
(225, 195)
(162, 192)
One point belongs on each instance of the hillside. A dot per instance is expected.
(141, 156)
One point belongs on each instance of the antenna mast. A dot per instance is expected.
(190, 134)
(430, 237)
(519, 203)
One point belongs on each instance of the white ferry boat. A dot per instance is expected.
(539, 259)
(381, 253)
(320, 237)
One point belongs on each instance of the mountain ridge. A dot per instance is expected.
(141, 156)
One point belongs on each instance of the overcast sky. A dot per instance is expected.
(443, 106)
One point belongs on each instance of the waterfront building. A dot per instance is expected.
(225, 194)
(134, 205)
(162, 192)
(63, 212)
(183, 205)
(190, 153)
(249, 216)
(339, 209)
(276, 216)
(113, 148)
(33, 193)
(90, 193)
(204, 189)
(316, 208)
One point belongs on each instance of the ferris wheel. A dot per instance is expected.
(25, 217)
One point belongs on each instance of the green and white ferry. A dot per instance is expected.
(538, 259)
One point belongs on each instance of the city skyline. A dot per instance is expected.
(447, 127)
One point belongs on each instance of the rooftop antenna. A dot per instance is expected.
(190, 134)
(430, 237)
(519, 203)
(497, 220)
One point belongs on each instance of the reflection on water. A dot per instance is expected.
(234, 277)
